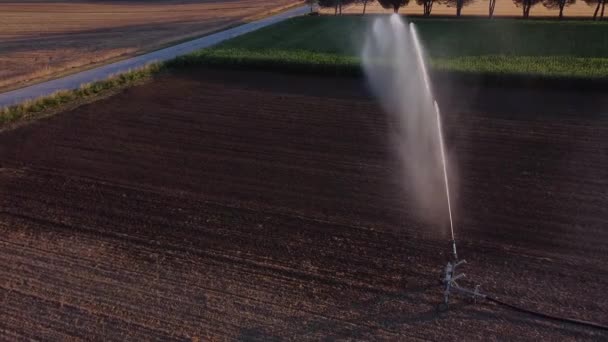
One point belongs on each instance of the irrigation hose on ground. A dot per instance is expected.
(547, 316)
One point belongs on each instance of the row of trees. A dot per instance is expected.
(427, 5)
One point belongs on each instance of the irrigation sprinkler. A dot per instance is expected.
(404, 87)
(450, 277)
(451, 286)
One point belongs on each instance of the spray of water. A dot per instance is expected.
(445, 177)
(393, 61)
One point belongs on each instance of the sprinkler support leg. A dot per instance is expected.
(451, 286)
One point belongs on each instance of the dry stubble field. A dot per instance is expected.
(45, 38)
(210, 205)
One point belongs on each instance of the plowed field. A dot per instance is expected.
(210, 205)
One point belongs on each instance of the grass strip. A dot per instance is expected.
(549, 67)
(30, 108)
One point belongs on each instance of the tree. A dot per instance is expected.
(491, 7)
(336, 4)
(526, 5)
(394, 4)
(328, 4)
(312, 4)
(365, 2)
(427, 6)
(598, 4)
(553, 4)
(459, 4)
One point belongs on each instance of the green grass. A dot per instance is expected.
(271, 59)
(31, 108)
(552, 49)
(561, 67)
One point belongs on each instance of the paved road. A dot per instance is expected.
(74, 81)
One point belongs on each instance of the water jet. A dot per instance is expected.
(394, 62)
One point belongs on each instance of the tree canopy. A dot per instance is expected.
(394, 4)
(526, 5)
(336, 4)
(427, 6)
(458, 4)
(364, 2)
(558, 4)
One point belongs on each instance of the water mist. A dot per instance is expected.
(393, 61)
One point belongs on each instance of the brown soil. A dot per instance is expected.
(48, 38)
(214, 205)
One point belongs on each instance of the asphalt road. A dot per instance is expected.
(76, 80)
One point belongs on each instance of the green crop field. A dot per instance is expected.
(564, 49)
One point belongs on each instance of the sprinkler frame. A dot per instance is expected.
(450, 276)
(451, 286)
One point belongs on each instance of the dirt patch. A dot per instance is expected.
(210, 205)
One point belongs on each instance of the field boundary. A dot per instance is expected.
(27, 110)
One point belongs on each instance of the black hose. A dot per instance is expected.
(544, 315)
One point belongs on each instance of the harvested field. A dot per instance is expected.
(42, 39)
(211, 205)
